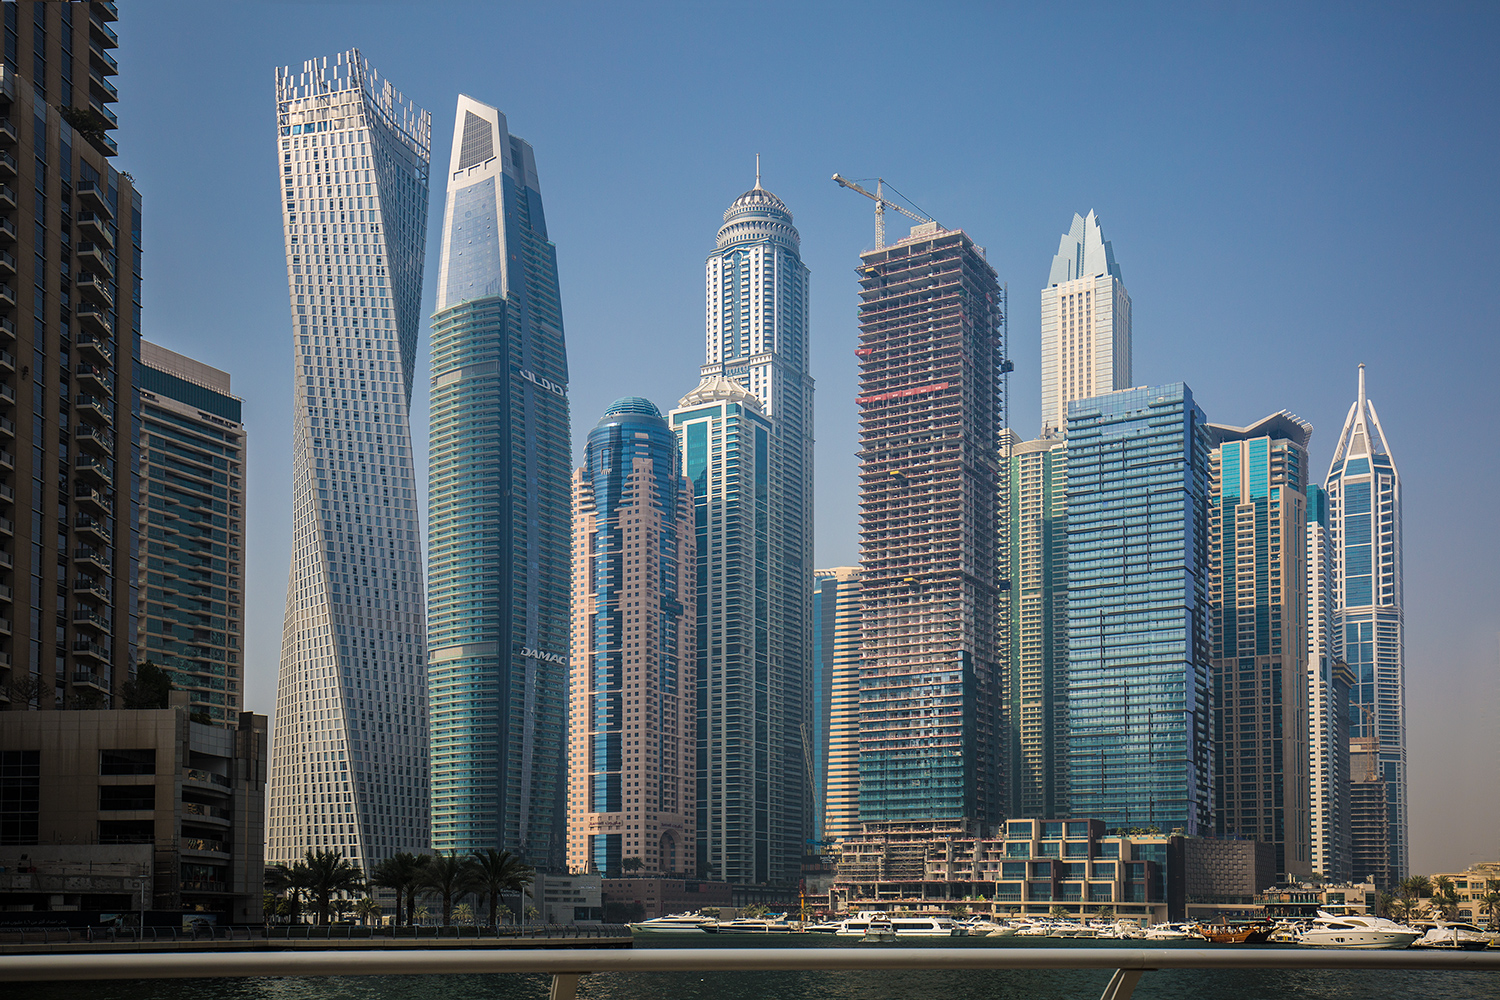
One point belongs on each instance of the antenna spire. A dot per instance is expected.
(1361, 386)
(757, 171)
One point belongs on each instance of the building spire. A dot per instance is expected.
(757, 171)
(1361, 387)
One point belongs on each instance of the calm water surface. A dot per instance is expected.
(927, 985)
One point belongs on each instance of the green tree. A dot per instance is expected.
(1385, 904)
(368, 910)
(1489, 903)
(1445, 897)
(959, 912)
(149, 688)
(632, 864)
(402, 874)
(328, 874)
(496, 873)
(1410, 892)
(450, 877)
(754, 911)
(1105, 913)
(463, 913)
(1058, 912)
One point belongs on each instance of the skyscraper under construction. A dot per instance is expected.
(931, 353)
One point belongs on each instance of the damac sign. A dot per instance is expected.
(543, 383)
(537, 654)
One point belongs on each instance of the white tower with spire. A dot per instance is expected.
(1364, 515)
(1086, 338)
(756, 325)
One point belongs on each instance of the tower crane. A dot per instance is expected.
(881, 204)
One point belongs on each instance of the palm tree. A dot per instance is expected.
(451, 877)
(1445, 897)
(1385, 904)
(401, 873)
(368, 910)
(1489, 903)
(329, 873)
(1411, 890)
(289, 884)
(497, 872)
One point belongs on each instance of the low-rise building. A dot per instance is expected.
(1471, 886)
(131, 812)
(567, 899)
(630, 899)
(1222, 877)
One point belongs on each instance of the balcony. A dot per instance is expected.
(7, 83)
(87, 678)
(8, 166)
(95, 319)
(94, 347)
(7, 293)
(91, 559)
(95, 288)
(7, 494)
(86, 586)
(94, 379)
(102, 89)
(96, 227)
(103, 10)
(199, 776)
(7, 199)
(89, 618)
(104, 111)
(7, 528)
(7, 362)
(7, 330)
(7, 561)
(91, 196)
(90, 649)
(8, 137)
(7, 232)
(202, 844)
(101, 34)
(94, 256)
(89, 525)
(93, 500)
(7, 394)
(7, 460)
(99, 409)
(94, 439)
(198, 810)
(5, 626)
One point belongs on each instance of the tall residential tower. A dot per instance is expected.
(756, 314)
(632, 698)
(498, 507)
(349, 756)
(1139, 740)
(1364, 517)
(1329, 681)
(837, 631)
(1086, 339)
(931, 410)
(192, 592)
(1257, 598)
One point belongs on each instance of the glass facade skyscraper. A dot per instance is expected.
(837, 633)
(756, 318)
(1139, 743)
(498, 507)
(1329, 681)
(1364, 518)
(1036, 691)
(633, 691)
(1257, 595)
(192, 593)
(349, 754)
(931, 411)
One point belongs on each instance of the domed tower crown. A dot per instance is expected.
(758, 215)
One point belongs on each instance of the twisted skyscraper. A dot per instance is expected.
(499, 506)
(349, 766)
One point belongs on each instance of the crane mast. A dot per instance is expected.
(881, 204)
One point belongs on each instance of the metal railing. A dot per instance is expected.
(567, 966)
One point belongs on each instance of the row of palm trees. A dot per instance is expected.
(324, 875)
(1419, 896)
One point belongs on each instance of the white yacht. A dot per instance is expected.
(677, 923)
(1169, 932)
(903, 926)
(1453, 934)
(1356, 931)
(776, 923)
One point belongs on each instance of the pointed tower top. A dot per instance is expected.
(757, 171)
(1361, 386)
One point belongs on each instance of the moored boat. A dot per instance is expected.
(677, 923)
(1253, 933)
(1456, 935)
(1356, 931)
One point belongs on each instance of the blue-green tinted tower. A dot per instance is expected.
(1139, 751)
(499, 521)
(1364, 529)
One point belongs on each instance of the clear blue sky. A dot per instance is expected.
(1290, 191)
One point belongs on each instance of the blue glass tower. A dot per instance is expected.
(1364, 528)
(1138, 630)
(498, 517)
(632, 725)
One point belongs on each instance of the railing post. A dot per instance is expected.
(1122, 984)
(564, 986)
